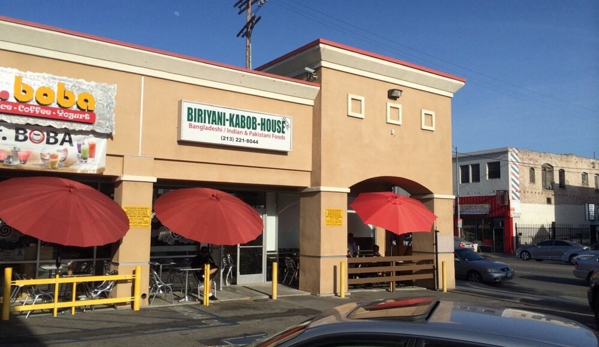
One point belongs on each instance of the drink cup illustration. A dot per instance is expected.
(79, 143)
(54, 161)
(92, 149)
(44, 156)
(84, 152)
(23, 156)
(62, 154)
(3, 155)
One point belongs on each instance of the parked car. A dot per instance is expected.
(475, 268)
(459, 242)
(569, 256)
(426, 321)
(593, 295)
(584, 267)
(548, 250)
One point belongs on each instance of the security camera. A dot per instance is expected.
(308, 70)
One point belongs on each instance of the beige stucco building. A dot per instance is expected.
(165, 121)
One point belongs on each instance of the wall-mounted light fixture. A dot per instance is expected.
(394, 94)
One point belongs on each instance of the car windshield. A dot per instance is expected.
(412, 309)
(468, 254)
(281, 337)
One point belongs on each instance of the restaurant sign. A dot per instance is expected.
(28, 147)
(232, 127)
(475, 209)
(59, 102)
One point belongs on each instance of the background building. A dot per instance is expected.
(509, 197)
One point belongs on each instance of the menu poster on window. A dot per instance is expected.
(28, 147)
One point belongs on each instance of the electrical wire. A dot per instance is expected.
(496, 84)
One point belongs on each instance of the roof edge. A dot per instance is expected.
(359, 51)
(152, 50)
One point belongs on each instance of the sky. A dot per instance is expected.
(531, 66)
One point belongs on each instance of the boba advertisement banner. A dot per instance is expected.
(48, 149)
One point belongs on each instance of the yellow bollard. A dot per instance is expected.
(55, 309)
(275, 282)
(137, 288)
(6, 294)
(342, 279)
(444, 277)
(206, 284)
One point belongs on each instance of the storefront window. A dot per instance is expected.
(166, 244)
(27, 255)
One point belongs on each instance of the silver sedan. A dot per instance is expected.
(584, 267)
(426, 321)
(548, 250)
(569, 256)
(473, 267)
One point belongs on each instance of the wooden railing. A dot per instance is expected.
(56, 282)
(373, 270)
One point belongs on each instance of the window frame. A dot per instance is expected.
(496, 171)
(547, 174)
(584, 177)
(464, 174)
(562, 178)
(472, 176)
(475, 176)
(397, 107)
(361, 100)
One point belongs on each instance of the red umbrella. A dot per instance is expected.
(209, 216)
(396, 213)
(61, 211)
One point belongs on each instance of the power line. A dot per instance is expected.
(352, 28)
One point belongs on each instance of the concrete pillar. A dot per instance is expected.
(323, 239)
(134, 190)
(424, 242)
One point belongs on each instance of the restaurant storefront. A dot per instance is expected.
(137, 123)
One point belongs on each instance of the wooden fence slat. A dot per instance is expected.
(372, 270)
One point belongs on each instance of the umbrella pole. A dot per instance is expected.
(220, 283)
(58, 258)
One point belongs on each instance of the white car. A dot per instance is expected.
(459, 242)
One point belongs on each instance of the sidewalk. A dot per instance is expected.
(241, 313)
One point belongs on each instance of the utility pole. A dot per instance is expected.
(250, 23)
(457, 184)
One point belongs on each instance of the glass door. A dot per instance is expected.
(251, 260)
